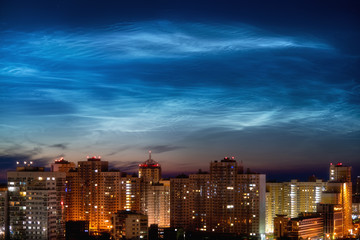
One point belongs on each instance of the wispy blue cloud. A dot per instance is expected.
(130, 86)
(144, 40)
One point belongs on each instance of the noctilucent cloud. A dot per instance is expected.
(282, 99)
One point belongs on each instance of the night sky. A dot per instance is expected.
(274, 83)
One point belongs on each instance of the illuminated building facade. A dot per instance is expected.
(291, 199)
(93, 194)
(224, 201)
(199, 200)
(158, 204)
(281, 223)
(274, 204)
(154, 193)
(339, 191)
(190, 201)
(333, 220)
(130, 192)
(356, 205)
(225, 212)
(252, 188)
(149, 173)
(36, 202)
(180, 202)
(4, 223)
(129, 225)
(339, 173)
(306, 227)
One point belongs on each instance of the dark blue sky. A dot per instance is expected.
(273, 83)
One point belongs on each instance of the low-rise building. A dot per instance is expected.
(308, 226)
(129, 225)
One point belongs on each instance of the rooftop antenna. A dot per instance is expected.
(150, 155)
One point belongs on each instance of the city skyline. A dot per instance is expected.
(225, 200)
(270, 83)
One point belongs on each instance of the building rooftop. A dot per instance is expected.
(339, 164)
(228, 159)
(61, 161)
(94, 158)
(150, 163)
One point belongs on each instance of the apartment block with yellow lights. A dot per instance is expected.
(181, 201)
(4, 212)
(36, 203)
(199, 186)
(93, 194)
(223, 201)
(129, 225)
(158, 204)
(291, 199)
(130, 192)
(308, 226)
(339, 191)
(154, 193)
(333, 220)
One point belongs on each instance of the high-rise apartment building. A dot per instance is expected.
(199, 190)
(339, 191)
(93, 194)
(158, 204)
(149, 173)
(274, 206)
(180, 200)
(223, 201)
(252, 187)
(223, 196)
(291, 199)
(130, 192)
(190, 201)
(36, 202)
(155, 193)
(4, 217)
(339, 173)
